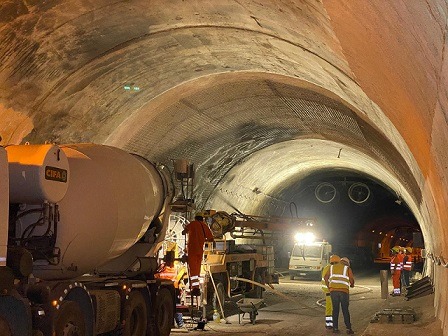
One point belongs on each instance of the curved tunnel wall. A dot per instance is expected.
(218, 83)
(242, 114)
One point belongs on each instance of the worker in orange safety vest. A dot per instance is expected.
(339, 279)
(395, 270)
(334, 259)
(198, 232)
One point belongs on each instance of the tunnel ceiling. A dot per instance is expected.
(270, 90)
(218, 127)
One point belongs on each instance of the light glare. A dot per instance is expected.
(304, 237)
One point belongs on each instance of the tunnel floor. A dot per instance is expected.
(303, 314)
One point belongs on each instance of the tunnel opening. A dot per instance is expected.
(361, 217)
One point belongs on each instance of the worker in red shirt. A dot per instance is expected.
(198, 232)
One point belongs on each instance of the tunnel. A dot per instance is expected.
(285, 108)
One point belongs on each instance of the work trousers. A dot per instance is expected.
(328, 311)
(179, 319)
(340, 299)
(406, 276)
(396, 282)
(194, 263)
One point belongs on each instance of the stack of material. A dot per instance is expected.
(420, 288)
(396, 315)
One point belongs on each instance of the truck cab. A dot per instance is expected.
(308, 259)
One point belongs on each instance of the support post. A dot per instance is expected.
(384, 277)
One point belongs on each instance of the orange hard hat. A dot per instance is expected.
(335, 258)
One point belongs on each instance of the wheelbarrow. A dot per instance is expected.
(249, 305)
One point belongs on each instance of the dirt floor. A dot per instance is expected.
(295, 308)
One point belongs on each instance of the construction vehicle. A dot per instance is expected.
(240, 262)
(225, 265)
(80, 228)
(228, 264)
(256, 260)
(308, 258)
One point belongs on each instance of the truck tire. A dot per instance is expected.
(15, 313)
(212, 298)
(4, 328)
(135, 315)
(164, 311)
(69, 320)
(257, 292)
(221, 292)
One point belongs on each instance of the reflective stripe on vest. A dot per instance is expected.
(407, 267)
(408, 264)
(194, 281)
(395, 264)
(339, 277)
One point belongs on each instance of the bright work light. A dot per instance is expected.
(304, 237)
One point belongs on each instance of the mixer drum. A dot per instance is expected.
(111, 200)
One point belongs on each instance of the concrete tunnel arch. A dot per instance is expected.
(233, 84)
(298, 154)
(284, 150)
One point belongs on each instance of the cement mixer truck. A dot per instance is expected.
(80, 228)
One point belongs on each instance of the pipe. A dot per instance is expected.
(265, 287)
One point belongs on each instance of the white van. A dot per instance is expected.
(309, 259)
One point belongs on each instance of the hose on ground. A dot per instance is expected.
(274, 291)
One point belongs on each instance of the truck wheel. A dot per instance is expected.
(135, 315)
(257, 292)
(4, 328)
(221, 292)
(164, 311)
(291, 277)
(212, 297)
(69, 320)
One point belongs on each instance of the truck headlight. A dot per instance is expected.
(305, 237)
